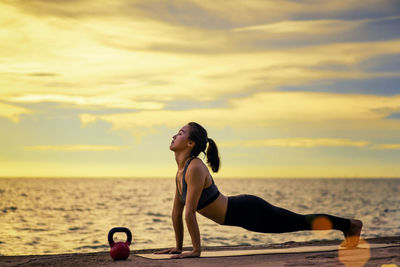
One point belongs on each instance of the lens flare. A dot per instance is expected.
(355, 257)
(321, 223)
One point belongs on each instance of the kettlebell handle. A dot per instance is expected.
(119, 229)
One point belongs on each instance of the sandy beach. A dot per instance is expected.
(388, 256)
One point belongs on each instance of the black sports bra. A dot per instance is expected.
(208, 195)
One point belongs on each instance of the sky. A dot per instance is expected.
(285, 88)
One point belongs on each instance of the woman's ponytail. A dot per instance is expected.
(199, 135)
(212, 155)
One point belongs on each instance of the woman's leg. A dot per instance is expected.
(255, 214)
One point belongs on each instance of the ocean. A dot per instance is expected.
(56, 215)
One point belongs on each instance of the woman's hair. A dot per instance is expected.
(199, 135)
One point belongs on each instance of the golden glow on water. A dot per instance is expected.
(355, 257)
(48, 216)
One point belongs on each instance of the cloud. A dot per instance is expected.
(99, 102)
(211, 14)
(308, 27)
(142, 61)
(198, 27)
(297, 142)
(214, 76)
(315, 32)
(262, 109)
(382, 63)
(12, 112)
(388, 85)
(43, 74)
(394, 116)
(69, 9)
(386, 146)
(319, 27)
(202, 11)
(73, 148)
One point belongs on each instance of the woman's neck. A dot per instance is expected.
(181, 158)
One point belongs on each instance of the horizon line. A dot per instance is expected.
(223, 177)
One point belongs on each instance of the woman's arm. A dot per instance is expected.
(177, 222)
(195, 179)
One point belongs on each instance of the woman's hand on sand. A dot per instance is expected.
(191, 254)
(169, 251)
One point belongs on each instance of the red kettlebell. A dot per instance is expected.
(119, 250)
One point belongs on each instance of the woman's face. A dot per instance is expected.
(181, 139)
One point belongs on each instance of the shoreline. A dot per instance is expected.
(376, 256)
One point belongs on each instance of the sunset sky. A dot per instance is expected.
(285, 88)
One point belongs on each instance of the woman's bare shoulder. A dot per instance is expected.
(197, 166)
(198, 162)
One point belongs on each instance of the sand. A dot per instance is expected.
(388, 256)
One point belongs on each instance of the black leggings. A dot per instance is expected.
(256, 214)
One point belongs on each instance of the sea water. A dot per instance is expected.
(49, 216)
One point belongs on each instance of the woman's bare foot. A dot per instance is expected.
(353, 234)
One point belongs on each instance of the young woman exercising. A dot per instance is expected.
(196, 189)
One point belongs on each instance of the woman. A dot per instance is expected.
(196, 189)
